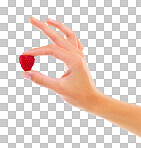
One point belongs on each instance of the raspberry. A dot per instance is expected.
(26, 62)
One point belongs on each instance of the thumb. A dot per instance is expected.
(43, 80)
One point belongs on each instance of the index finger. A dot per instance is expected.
(52, 34)
(52, 50)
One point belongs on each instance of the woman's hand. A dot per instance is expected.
(76, 86)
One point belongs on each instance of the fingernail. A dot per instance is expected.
(34, 18)
(27, 75)
(51, 20)
(24, 52)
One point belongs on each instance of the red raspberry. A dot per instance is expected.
(26, 62)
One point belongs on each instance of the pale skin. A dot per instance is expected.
(76, 86)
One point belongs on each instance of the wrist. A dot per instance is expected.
(105, 106)
(94, 101)
(99, 101)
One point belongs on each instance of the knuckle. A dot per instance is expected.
(43, 27)
(82, 55)
(82, 47)
(54, 38)
(59, 25)
(71, 34)
(39, 81)
(52, 51)
(78, 60)
(52, 46)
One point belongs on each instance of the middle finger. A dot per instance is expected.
(52, 34)
(70, 35)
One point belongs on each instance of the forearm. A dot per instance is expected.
(125, 115)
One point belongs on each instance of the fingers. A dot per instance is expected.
(70, 35)
(53, 50)
(43, 80)
(52, 34)
(80, 46)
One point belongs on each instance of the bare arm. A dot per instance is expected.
(125, 115)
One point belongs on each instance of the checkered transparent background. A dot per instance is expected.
(32, 116)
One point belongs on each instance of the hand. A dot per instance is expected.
(76, 86)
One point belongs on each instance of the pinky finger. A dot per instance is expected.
(80, 46)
